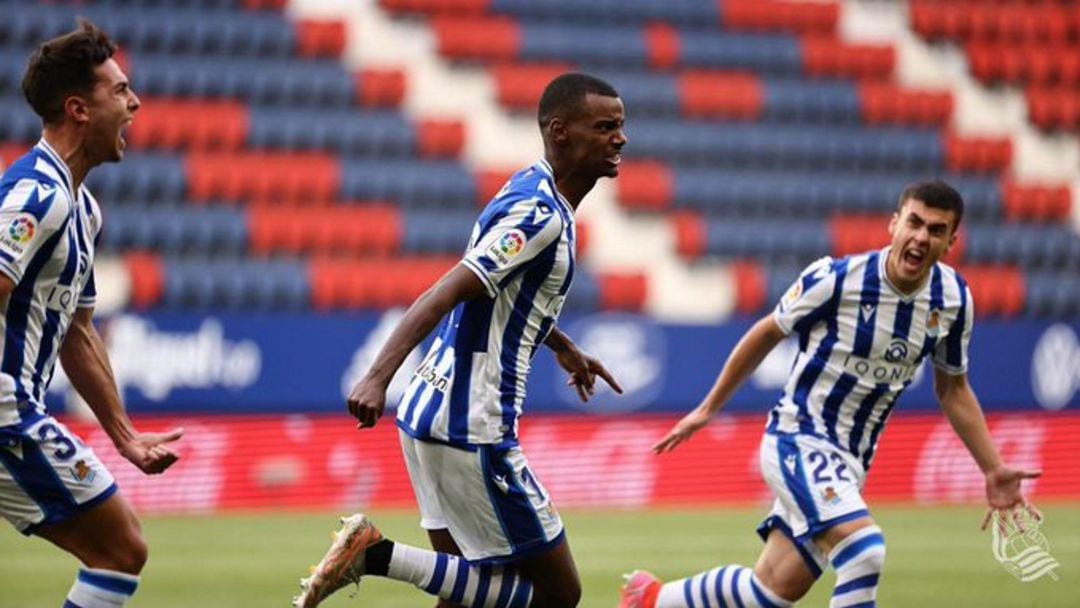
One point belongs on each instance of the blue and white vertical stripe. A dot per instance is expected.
(48, 232)
(861, 342)
(471, 386)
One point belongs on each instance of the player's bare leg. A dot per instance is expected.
(782, 569)
(106, 537)
(443, 542)
(555, 579)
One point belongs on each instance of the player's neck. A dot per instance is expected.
(573, 186)
(71, 149)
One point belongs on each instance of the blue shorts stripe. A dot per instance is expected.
(439, 575)
(795, 478)
(112, 584)
(460, 580)
(70, 604)
(718, 588)
(863, 582)
(483, 584)
(855, 549)
(688, 593)
(36, 476)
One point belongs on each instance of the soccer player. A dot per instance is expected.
(864, 323)
(498, 540)
(51, 484)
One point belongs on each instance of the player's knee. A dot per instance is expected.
(129, 554)
(874, 558)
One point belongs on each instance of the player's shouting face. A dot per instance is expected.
(109, 109)
(920, 236)
(594, 136)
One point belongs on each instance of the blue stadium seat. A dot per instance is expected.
(603, 12)
(348, 132)
(436, 232)
(412, 184)
(584, 296)
(610, 46)
(806, 101)
(176, 230)
(767, 54)
(142, 177)
(235, 284)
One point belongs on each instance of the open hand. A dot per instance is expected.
(1003, 495)
(149, 452)
(683, 429)
(583, 370)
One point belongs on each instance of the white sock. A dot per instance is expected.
(726, 586)
(96, 588)
(455, 579)
(858, 561)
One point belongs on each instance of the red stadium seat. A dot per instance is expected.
(662, 41)
(518, 87)
(645, 185)
(831, 57)
(437, 7)
(856, 234)
(487, 39)
(287, 178)
(320, 38)
(720, 95)
(1036, 202)
(582, 232)
(780, 15)
(996, 290)
(380, 88)
(623, 291)
(9, 153)
(689, 234)
(489, 182)
(147, 279)
(976, 154)
(750, 287)
(884, 103)
(440, 138)
(257, 5)
(190, 124)
(1054, 109)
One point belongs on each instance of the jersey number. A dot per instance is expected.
(51, 433)
(820, 461)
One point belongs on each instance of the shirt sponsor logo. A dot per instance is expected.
(895, 368)
(427, 373)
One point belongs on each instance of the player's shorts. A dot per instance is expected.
(47, 474)
(817, 486)
(494, 507)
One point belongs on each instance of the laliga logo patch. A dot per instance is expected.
(507, 247)
(19, 233)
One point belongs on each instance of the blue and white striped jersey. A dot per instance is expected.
(48, 234)
(470, 387)
(861, 342)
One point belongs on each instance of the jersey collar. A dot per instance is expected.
(545, 167)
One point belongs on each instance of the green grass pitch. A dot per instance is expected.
(937, 557)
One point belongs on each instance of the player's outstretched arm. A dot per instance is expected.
(367, 400)
(583, 368)
(752, 348)
(86, 362)
(965, 415)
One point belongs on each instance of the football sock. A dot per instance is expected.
(450, 577)
(728, 586)
(96, 588)
(858, 561)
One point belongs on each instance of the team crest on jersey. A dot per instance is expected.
(933, 323)
(83, 473)
(830, 496)
(507, 247)
(19, 233)
(792, 294)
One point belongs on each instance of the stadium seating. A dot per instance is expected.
(265, 174)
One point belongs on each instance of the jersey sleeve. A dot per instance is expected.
(512, 242)
(951, 354)
(30, 214)
(810, 293)
(88, 295)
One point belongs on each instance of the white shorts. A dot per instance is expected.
(47, 474)
(817, 486)
(493, 506)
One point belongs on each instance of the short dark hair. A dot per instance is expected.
(937, 194)
(563, 94)
(64, 66)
